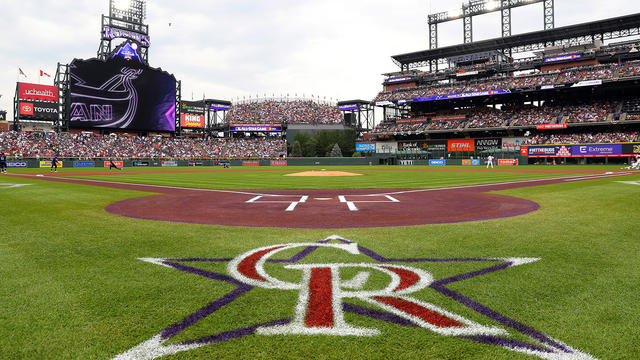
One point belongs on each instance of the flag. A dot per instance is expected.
(20, 72)
(42, 73)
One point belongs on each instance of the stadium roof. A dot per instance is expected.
(607, 29)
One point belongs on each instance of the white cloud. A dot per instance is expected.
(233, 48)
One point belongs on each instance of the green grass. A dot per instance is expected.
(72, 288)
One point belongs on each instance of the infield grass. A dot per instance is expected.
(73, 288)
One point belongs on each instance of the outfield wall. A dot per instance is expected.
(169, 163)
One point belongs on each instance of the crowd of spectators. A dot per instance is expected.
(596, 112)
(529, 115)
(565, 76)
(447, 124)
(488, 118)
(583, 138)
(284, 112)
(88, 145)
(537, 115)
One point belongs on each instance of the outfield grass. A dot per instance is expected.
(72, 287)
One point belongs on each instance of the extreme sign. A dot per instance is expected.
(581, 150)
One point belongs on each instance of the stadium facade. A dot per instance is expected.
(565, 94)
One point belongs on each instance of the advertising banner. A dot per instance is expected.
(466, 162)
(410, 121)
(255, 128)
(17, 164)
(39, 110)
(400, 79)
(110, 33)
(196, 163)
(119, 164)
(37, 92)
(251, 163)
(461, 145)
(437, 162)
(192, 107)
(121, 94)
(278, 162)
(366, 147)
(141, 163)
(471, 162)
(192, 121)
(219, 107)
(524, 151)
(596, 150)
(436, 145)
(84, 164)
(47, 164)
(488, 144)
(170, 163)
(549, 151)
(551, 126)
(412, 145)
(456, 96)
(407, 162)
(507, 162)
(449, 118)
(631, 149)
(563, 58)
(26, 109)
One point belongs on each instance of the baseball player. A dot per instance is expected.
(112, 165)
(54, 164)
(3, 162)
(635, 165)
(490, 161)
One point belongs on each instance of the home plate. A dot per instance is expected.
(322, 199)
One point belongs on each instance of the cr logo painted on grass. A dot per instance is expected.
(326, 291)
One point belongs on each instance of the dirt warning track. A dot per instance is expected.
(325, 209)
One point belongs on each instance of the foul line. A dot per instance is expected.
(566, 179)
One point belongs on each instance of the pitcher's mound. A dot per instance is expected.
(324, 173)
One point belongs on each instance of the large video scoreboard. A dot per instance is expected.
(121, 93)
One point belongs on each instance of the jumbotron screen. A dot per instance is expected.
(121, 94)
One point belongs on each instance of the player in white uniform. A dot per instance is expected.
(490, 161)
(636, 165)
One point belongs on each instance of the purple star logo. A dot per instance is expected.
(324, 297)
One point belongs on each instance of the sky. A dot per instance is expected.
(230, 49)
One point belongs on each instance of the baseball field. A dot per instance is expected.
(334, 263)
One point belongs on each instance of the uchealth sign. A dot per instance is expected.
(461, 145)
(192, 121)
(37, 92)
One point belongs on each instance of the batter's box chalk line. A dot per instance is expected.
(295, 200)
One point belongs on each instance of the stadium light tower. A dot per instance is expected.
(479, 7)
(125, 21)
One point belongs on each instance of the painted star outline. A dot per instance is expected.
(545, 347)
